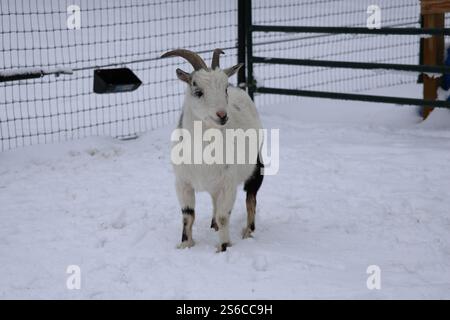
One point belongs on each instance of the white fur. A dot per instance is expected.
(219, 180)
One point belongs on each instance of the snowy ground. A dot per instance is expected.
(359, 185)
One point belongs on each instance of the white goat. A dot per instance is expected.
(217, 104)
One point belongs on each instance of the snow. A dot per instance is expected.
(359, 185)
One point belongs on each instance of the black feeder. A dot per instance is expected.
(115, 80)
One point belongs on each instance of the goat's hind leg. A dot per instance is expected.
(252, 186)
(186, 197)
(250, 202)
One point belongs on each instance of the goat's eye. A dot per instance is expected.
(198, 93)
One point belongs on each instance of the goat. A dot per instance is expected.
(210, 98)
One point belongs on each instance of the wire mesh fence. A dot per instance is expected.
(134, 33)
(113, 32)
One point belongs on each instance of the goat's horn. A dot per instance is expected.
(216, 58)
(194, 59)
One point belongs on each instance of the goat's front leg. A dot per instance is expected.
(213, 220)
(186, 197)
(224, 204)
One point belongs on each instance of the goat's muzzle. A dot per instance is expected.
(223, 117)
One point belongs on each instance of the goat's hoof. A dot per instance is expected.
(186, 244)
(223, 247)
(247, 233)
(214, 225)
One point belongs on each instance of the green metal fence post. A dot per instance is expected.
(242, 35)
(249, 46)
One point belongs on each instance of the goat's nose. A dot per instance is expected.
(221, 114)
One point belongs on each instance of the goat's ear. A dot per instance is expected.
(184, 76)
(231, 71)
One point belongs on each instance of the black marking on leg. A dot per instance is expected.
(224, 246)
(184, 236)
(252, 226)
(253, 183)
(214, 224)
(188, 211)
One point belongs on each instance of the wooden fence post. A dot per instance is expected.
(433, 15)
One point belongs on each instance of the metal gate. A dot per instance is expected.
(245, 54)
